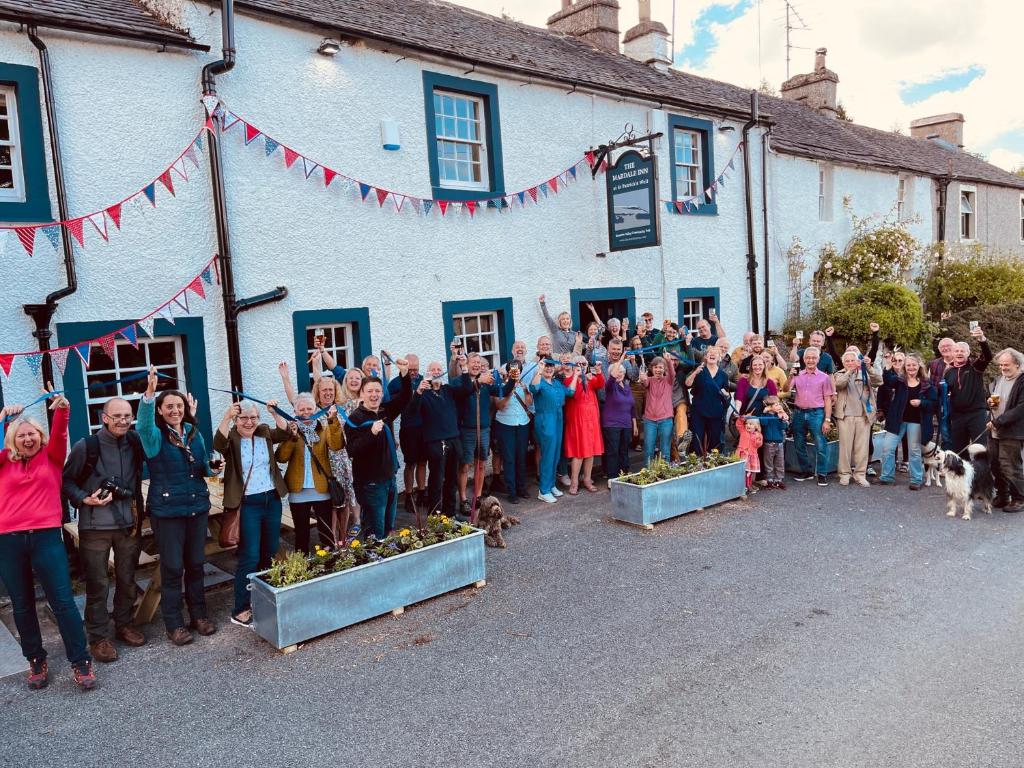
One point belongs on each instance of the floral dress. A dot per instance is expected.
(341, 462)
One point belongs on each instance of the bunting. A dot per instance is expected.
(693, 203)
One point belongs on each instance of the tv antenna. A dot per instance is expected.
(792, 19)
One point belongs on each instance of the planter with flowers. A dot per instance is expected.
(832, 449)
(665, 490)
(299, 597)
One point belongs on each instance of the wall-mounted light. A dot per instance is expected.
(390, 138)
(329, 47)
(725, 128)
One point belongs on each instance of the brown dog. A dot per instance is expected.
(492, 519)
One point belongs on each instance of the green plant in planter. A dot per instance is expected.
(660, 469)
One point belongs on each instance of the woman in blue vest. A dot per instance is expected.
(178, 505)
(549, 398)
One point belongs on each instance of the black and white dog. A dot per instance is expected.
(967, 481)
(931, 456)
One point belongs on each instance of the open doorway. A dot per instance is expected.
(608, 303)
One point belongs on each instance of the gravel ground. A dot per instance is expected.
(812, 627)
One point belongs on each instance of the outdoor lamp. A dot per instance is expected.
(329, 47)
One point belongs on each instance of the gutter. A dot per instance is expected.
(232, 306)
(749, 208)
(42, 314)
(32, 21)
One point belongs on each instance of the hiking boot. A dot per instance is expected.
(103, 651)
(131, 636)
(180, 636)
(38, 674)
(204, 627)
(85, 678)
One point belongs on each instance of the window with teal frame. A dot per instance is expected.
(24, 192)
(692, 161)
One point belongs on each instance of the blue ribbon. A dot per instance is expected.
(48, 395)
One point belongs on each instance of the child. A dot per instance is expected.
(750, 440)
(774, 423)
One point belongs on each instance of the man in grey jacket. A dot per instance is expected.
(102, 479)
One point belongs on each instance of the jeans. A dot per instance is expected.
(259, 537)
(913, 433)
(967, 428)
(512, 441)
(302, 511)
(616, 450)
(1006, 468)
(707, 432)
(181, 542)
(657, 434)
(94, 550)
(443, 475)
(41, 551)
(805, 419)
(379, 502)
(548, 429)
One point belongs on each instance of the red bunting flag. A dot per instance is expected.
(251, 132)
(6, 361)
(471, 204)
(329, 176)
(75, 228)
(382, 195)
(679, 206)
(553, 183)
(196, 286)
(532, 191)
(165, 179)
(107, 344)
(443, 205)
(290, 156)
(589, 156)
(114, 212)
(27, 236)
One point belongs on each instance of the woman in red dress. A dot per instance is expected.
(583, 440)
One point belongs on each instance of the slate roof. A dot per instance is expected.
(116, 18)
(467, 35)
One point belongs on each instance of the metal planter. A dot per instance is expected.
(289, 615)
(648, 504)
(831, 454)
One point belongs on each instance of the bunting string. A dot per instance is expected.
(693, 203)
(100, 219)
(176, 305)
(366, 192)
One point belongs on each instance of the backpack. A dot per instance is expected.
(92, 457)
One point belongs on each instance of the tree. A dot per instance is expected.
(766, 88)
(842, 114)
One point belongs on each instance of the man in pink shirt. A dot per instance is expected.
(812, 411)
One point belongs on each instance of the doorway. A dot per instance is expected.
(608, 303)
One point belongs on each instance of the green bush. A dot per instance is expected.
(954, 285)
(1003, 325)
(896, 308)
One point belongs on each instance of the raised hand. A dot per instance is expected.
(875, 327)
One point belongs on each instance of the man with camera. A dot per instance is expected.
(102, 479)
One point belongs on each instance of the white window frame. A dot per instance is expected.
(1022, 217)
(904, 193)
(695, 184)
(689, 317)
(95, 374)
(348, 348)
(15, 194)
(480, 143)
(824, 192)
(488, 343)
(971, 194)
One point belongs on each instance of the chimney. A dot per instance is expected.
(596, 22)
(168, 11)
(947, 128)
(816, 90)
(647, 42)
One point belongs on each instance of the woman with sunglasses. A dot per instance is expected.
(178, 504)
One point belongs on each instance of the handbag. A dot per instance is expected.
(334, 487)
(231, 520)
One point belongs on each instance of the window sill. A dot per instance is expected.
(707, 209)
(462, 195)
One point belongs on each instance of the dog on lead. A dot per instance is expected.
(932, 464)
(968, 480)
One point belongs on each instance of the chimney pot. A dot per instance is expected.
(816, 89)
(819, 59)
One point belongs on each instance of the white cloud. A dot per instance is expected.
(875, 46)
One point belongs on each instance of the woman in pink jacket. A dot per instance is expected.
(31, 541)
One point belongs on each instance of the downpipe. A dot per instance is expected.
(751, 256)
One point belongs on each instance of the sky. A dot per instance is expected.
(896, 61)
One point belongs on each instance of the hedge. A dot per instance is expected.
(896, 308)
(1003, 325)
(956, 285)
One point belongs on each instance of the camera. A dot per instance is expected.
(113, 486)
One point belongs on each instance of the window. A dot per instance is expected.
(346, 337)
(1022, 218)
(463, 137)
(484, 325)
(695, 304)
(338, 341)
(689, 174)
(904, 190)
(479, 333)
(164, 352)
(24, 191)
(968, 213)
(12, 180)
(824, 193)
(459, 128)
(693, 161)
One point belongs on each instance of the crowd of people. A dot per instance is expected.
(580, 402)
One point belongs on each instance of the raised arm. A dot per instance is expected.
(286, 379)
(548, 319)
(57, 447)
(145, 419)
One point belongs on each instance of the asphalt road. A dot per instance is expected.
(815, 627)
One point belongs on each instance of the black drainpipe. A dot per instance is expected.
(42, 314)
(942, 185)
(764, 215)
(751, 256)
(232, 306)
